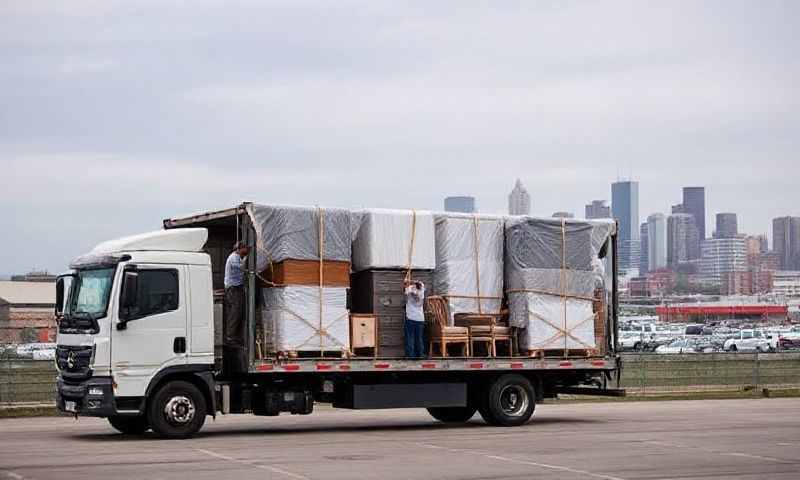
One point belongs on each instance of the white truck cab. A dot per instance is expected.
(131, 312)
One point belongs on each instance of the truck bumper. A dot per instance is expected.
(93, 397)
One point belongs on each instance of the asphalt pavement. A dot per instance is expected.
(705, 439)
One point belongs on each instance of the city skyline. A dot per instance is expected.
(101, 138)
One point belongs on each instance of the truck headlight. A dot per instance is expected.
(97, 391)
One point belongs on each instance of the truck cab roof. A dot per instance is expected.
(184, 245)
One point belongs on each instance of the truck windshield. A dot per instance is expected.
(88, 300)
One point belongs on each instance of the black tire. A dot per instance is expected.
(452, 414)
(177, 410)
(637, 347)
(509, 401)
(733, 348)
(129, 425)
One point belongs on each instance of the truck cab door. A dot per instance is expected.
(151, 332)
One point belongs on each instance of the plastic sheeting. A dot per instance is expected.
(291, 319)
(552, 269)
(394, 239)
(285, 232)
(469, 262)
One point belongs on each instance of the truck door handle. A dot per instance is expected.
(179, 345)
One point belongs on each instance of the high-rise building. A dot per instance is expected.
(644, 260)
(694, 202)
(656, 241)
(463, 204)
(563, 215)
(682, 239)
(598, 209)
(786, 241)
(625, 209)
(720, 256)
(678, 208)
(727, 226)
(519, 201)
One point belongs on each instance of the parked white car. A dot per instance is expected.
(682, 345)
(747, 341)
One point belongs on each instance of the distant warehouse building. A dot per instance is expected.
(700, 312)
(786, 283)
(26, 312)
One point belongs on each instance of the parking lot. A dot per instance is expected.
(626, 440)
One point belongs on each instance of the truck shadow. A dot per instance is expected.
(220, 430)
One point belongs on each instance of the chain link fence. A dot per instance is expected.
(33, 381)
(644, 374)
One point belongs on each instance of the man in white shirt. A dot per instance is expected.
(415, 319)
(234, 327)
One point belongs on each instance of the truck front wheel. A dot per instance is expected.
(452, 414)
(508, 402)
(135, 425)
(177, 410)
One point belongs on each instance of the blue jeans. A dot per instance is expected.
(415, 338)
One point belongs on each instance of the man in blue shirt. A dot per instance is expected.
(234, 359)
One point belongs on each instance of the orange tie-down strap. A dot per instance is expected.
(411, 246)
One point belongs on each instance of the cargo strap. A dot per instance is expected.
(564, 282)
(477, 263)
(321, 232)
(411, 247)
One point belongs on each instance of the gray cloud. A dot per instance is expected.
(118, 114)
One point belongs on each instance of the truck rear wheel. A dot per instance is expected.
(452, 414)
(129, 425)
(177, 410)
(508, 402)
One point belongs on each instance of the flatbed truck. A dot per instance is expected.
(136, 329)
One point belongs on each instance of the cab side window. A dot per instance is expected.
(157, 292)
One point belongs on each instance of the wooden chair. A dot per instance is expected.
(484, 328)
(439, 332)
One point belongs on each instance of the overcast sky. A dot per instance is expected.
(115, 115)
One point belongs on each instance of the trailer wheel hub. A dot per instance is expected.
(514, 400)
(179, 410)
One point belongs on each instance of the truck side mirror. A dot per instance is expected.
(59, 297)
(130, 287)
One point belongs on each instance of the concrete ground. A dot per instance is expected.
(638, 440)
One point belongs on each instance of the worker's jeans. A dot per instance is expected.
(415, 338)
(234, 358)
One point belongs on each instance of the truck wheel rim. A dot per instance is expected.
(179, 410)
(514, 400)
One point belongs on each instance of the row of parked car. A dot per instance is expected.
(671, 338)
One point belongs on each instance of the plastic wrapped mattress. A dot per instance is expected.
(552, 269)
(295, 318)
(469, 262)
(293, 232)
(394, 239)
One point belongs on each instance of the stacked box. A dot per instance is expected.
(552, 270)
(302, 312)
(387, 245)
(381, 293)
(299, 319)
(393, 239)
(469, 262)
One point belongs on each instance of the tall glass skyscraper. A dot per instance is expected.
(694, 203)
(625, 209)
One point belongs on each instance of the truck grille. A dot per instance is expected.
(74, 362)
